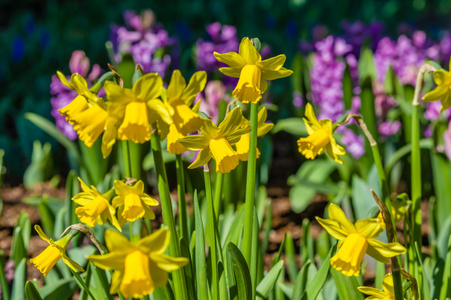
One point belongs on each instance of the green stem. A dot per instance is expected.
(416, 178)
(250, 186)
(82, 284)
(127, 162)
(218, 193)
(183, 216)
(168, 218)
(212, 232)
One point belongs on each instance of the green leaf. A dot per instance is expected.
(305, 275)
(362, 198)
(268, 282)
(188, 269)
(314, 288)
(18, 248)
(346, 286)
(240, 271)
(294, 126)
(445, 291)
(51, 130)
(366, 67)
(31, 292)
(291, 257)
(347, 88)
(20, 277)
(60, 289)
(200, 259)
(403, 151)
(3, 283)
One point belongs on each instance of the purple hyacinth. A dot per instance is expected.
(145, 40)
(389, 128)
(355, 144)
(222, 39)
(214, 92)
(62, 95)
(447, 140)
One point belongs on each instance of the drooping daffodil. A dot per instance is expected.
(443, 90)
(54, 252)
(320, 139)
(252, 71)
(217, 141)
(133, 203)
(387, 293)
(95, 207)
(356, 240)
(242, 146)
(140, 266)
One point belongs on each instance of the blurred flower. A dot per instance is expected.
(242, 146)
(389, 128)
(298, 100)
(140, 266)
(320, 138)
(215, 91)
(387, 293)
(222, 39)
(133, 203)
(54, 252)
(251, 70)
(442, 92)
(217, 141)
(95, 207)
(356, 240)
(355, 144)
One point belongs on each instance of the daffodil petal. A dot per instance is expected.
(332, 154)
(41, 233)
(271, 75)
(121, 188)
(109, 261)
(117, 94)
(369, 228)
(248, 52)
(231, 72)
(333, 228)
(263, 85)
(446, 102)
(337, 214)
(310, 115)
(116, 241)
(202, 158)
(273, 63)
(232, 120)
(157, 242)
(195, 85)
(387, 249)
(71, 264)
(158, 111)
(264, 129)
(372, 292)
(232, 59)
(116, 280)
(159, 276)
(168, 263)
(148, 87)
(176, 85)
(441, 76)
(387, 284)
(438, 93)
(194, 142)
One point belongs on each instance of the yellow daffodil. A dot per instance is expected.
(217, 141)
(387, 293)
(242, 146)
(139, 266)
(133, 203)
(50, 256)
(87, 113)
(133, 111)
(95, 207)
(320, 139)
(173, 145)
(180, 97)
(252, 71)
(356, 240)
(443, 90)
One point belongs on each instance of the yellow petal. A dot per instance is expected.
(71, 264)
(387, 249)
(41, 233)
(45, 261)
(196, 85)
(135, 126)
(248, 87)
(441, 77)
(248, 52)
(446, 102)
(157, 242)
(136, 281)
(387, 284)
(232, 59)
(116, 241)
(109, 136)
(108, 261)
(231, 72)
(314, 144)
(88, 213)
(369, 228)
(116, 280)
(176, 85)
(116, 94)
(337, 214)
(133, 208)
(148, 87)
(226, 158)
(90, 124)
(333, 228)
(439, 93)
(371, 251)
(310, 115)
(376, 293)
(349, 257)
(273, 63)
(271, 75)
(121, 188)
(76, 106)
(174, 146)
(242, 147)
(168, 263)
(184, 118)
(202, 158)
(333, 154)
(159, 276)
(231, 121)
(194, 142)
(158, 112)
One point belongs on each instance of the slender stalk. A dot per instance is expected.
(127, 162)
(82, 284)
(168, 218)
(250, 186)
(212, 238)
(183, 216)
(218, 193)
